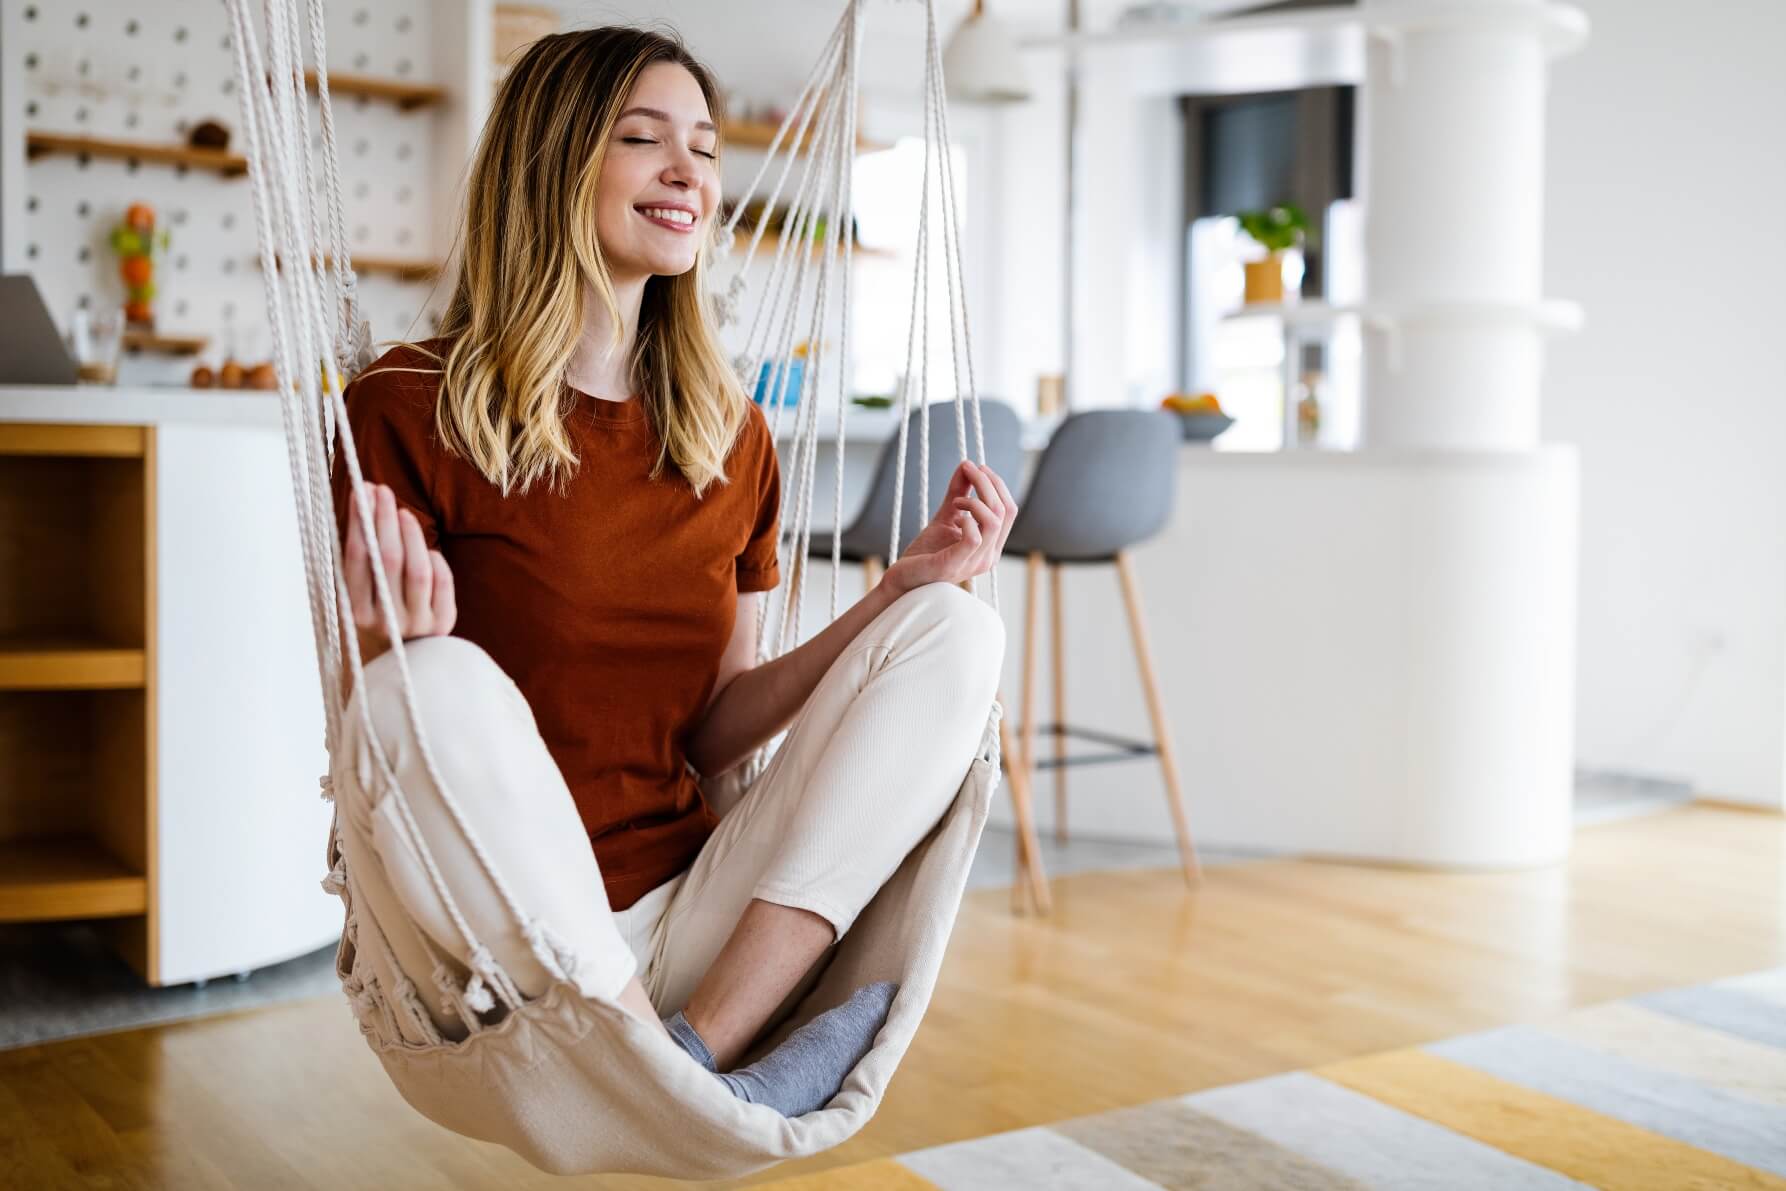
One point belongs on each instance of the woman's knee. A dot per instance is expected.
(461, 696)
(971, 629)
(447, 672)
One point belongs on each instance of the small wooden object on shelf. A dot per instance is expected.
(41, 144)
(406, 95)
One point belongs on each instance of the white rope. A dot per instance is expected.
(268, 123)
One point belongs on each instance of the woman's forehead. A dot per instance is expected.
(666, 90)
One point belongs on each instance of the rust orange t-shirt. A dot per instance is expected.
(609, 600)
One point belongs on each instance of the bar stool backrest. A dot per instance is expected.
(867, 535)
(1105, 482)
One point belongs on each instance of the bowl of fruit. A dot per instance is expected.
(1200, 416)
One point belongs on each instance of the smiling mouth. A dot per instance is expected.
(673, 218)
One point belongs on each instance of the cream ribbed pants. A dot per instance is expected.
(868, 766)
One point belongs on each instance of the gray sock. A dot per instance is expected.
(804, 1072)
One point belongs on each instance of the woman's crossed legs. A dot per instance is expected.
(868, 767)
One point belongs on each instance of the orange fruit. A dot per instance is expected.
(139, 312)
(137, 271)
(140, 216)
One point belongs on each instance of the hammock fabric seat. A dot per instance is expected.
(575, 1084)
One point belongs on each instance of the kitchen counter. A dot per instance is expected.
(138, 406)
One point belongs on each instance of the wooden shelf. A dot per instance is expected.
(403, 270)
(44, 880)
(72, 439)
(164, 345)
(230, 165)
(759, 134)
(407, 96)
(772, 243)
(392, 266)
(29, 664)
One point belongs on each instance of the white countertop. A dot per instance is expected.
(138, 406)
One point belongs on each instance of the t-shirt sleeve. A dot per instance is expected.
(392, 424)
(757, 567)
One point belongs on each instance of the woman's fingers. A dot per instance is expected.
(1010, 505)
(417, 577)
(390, 547)
(357, 562)
(446, 605)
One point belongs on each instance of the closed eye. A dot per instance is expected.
(644, 140)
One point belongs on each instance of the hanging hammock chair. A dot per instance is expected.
(569, 1082)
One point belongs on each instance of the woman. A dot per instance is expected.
(577, 507)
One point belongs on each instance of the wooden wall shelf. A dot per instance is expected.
(164, 345)
(406, 95)
(772, 243)
(759, 134)
(42, 144)
(391, 266)
(403, 270)
(43, 880)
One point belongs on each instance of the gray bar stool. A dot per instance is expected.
(865, 539)
(1104, 484)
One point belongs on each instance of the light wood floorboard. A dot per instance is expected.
(1135, 989)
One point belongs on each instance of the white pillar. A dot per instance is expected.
(1453, 180)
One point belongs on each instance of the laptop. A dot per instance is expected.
(31, 349)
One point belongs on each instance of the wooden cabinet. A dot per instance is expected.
(161, 728)
(77, 696)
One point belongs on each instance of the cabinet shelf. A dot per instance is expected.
(51, 664)
(43, 880)
(42, 144)
(406, 95)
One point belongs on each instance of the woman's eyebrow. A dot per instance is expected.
(654, 114)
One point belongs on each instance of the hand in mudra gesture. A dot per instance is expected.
(421, 585)
(965, 537)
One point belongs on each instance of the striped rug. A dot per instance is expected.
(1678, 1089)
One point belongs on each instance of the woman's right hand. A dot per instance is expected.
(421, 585)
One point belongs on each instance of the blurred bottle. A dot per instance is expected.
(1308, 409)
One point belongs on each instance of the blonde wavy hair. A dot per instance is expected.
(528, 243)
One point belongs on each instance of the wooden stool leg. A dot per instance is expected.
(1060, 705)
(871, 573)
(1156, 710)
(1030, 876)
(1031, 599)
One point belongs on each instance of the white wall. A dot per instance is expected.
(1664, 168)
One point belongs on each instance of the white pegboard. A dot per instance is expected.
(124, 69)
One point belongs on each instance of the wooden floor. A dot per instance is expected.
(1134, 990)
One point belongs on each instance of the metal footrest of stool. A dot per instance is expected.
(1128, 749)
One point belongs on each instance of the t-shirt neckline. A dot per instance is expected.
(610, 413)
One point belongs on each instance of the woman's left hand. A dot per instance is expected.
(965, 537)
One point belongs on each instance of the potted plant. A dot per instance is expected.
(1277, 230)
